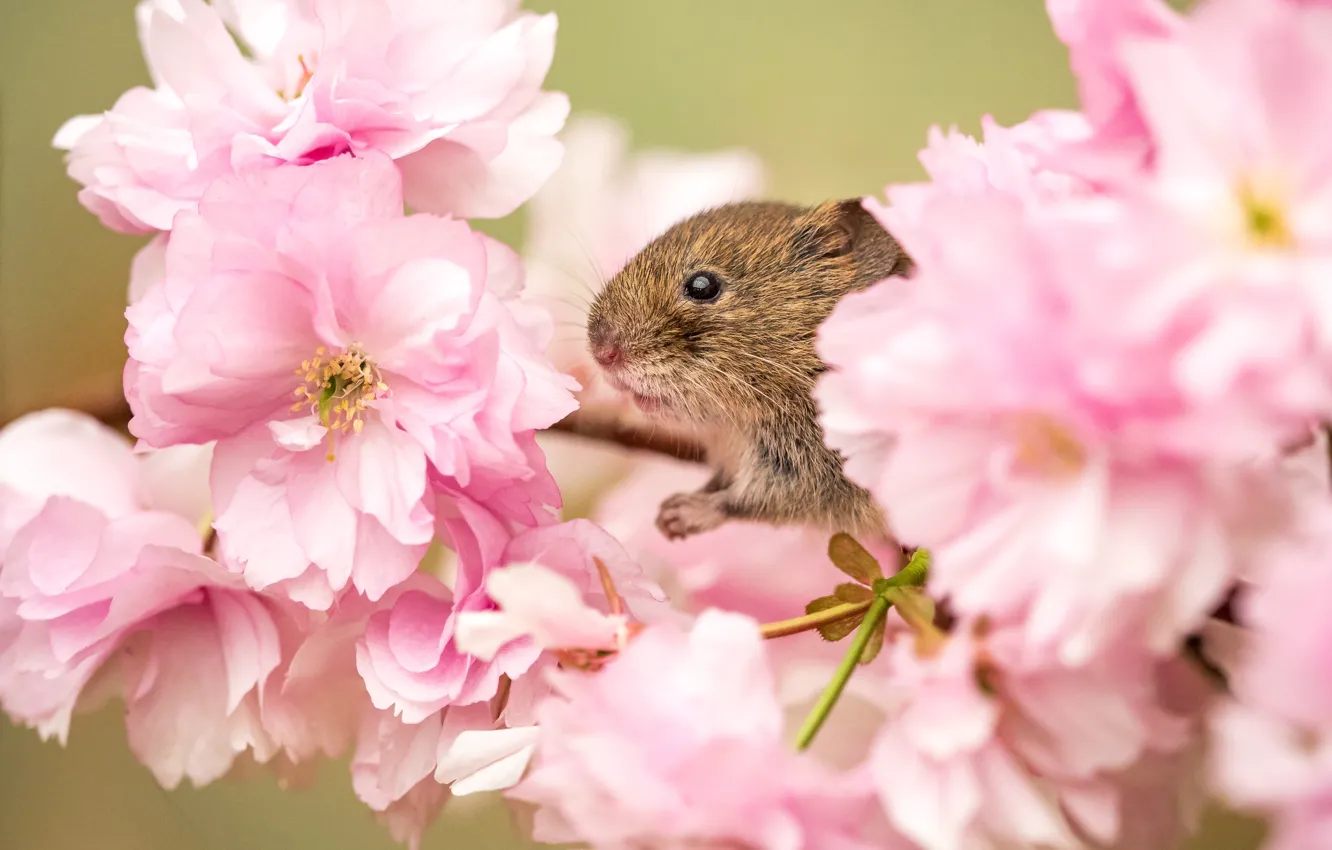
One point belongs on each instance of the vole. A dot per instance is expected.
(713, 323)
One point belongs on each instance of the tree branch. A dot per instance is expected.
(599, 427)
(590, 425)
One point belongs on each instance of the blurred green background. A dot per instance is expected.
(835, 96)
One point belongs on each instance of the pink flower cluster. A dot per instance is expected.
(1082, 401)
(1092, 403)
(451, 91)
(322, 387)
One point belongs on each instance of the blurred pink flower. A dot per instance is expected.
(415, 655)
(679, 742)
(406, 773)
(1006, 164)
(541, 604)
(1272, 742)
(1018, 411)
(452, 91)
(1096, 31)
(406, 346)
(1240, 184)
(990, 744)
(105, 593)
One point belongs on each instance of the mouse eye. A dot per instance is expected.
(702, 287)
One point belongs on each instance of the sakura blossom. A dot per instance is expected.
(1270, 751)
(679, 740)
(435, 649)
(406, 773)
(1106, 136)
(1247, 200)
(1096, 410)
(106, 593)
(1013, 414)
(988, 744)
(451, 91)
(340, 368)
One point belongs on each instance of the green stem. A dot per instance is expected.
(914, 573)
(878, 609)
(795, 625)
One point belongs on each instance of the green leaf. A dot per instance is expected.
(875, 643)
(852, 558)
(823, 603)
(837, 629)
(849, 592)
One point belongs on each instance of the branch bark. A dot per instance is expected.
(589, 425)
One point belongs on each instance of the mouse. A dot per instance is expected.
(713, 325)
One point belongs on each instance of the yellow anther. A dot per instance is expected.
(339, 390)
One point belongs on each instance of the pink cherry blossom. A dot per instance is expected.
(406, 773)
(1096, 32)
(407, 348)
(451, 91)
(990, 744)
(1018, 409)
(105, 593)
(679, 742)
(1272, 743)
(541, 604)
(1244, 201)
(410, 656)
(1007, 163)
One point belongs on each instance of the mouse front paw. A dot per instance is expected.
(685, 514)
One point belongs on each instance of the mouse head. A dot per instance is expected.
(715, 319)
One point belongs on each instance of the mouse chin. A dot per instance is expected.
(640, 391)
(651, 405)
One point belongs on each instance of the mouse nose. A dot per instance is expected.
(607, 352)
(604, 344)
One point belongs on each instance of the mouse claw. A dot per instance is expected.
(687, 514)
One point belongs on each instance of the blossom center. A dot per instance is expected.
(307, 73)
(1048, 447)
(339, 388)
(1265, 222)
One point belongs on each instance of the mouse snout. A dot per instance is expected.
(605, 346)
(607, 353)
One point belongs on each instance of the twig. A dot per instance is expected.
(600, 427)
(587, 424)
(795, 625)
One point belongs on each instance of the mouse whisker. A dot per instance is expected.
(596, 272)
(570, 299)
(773, 363)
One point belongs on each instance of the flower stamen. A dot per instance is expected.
(339, 389)
(1048, 447)
(307, 74)
(1265, 221)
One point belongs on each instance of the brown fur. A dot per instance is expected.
(742, 368)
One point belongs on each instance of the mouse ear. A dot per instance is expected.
(833, 228)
